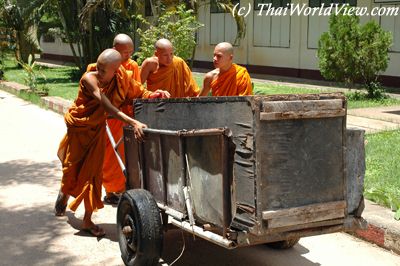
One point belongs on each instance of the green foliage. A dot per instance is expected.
(92, 25)
(179, 26)
(352, 53)
(22, 17)
(31, 77)
(382, 176)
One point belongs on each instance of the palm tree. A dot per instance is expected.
(92, 25)
(22, 17)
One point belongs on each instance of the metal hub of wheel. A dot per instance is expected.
(129, 231)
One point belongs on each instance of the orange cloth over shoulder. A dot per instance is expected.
(113, 177)
(234, 82)
(176, 78)
(81, 151)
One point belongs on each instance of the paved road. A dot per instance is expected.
(31, 235)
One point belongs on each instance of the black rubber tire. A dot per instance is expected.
(137, 210)
(284, 244)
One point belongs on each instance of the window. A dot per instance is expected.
(215, 8)
(392, 24)
(318, 3)
(223, 25)
(271, 31)
(274, 3)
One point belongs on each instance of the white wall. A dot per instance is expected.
(58, 47)
(284, 41)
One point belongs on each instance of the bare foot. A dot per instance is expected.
(61, 204)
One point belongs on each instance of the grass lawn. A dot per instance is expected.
(58, 80)
(60, 83)
(382, 177)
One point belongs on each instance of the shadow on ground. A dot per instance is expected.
(201, 252)
(25, 171)
(27, 237)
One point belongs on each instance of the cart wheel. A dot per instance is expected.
(284, 244)
(139, 228)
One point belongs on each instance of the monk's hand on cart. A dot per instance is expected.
(160, 94)
(138, 130)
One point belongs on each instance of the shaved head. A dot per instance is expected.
(109, 56)
(223, 56)
(225, 47)
(163, 44)
(122, 39)
(124, 45)
(164, 52)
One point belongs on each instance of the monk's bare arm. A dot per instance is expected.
(208, 78)
(149, 66)
(89, 81)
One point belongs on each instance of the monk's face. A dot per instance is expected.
(126, 51)
(222, 58)
(165, 56)
(106, 71)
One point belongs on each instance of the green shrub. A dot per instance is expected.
(179, 26)
(31, 77)
(351, 53)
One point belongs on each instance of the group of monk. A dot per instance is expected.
(108, 88)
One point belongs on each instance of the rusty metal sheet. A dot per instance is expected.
(355, 166)
(173, 172)
(206, 168)
(235, 113)
(301, 162)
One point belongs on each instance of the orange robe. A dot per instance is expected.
(113, 177)
(176, 78)
(81, 151)
(234, 82)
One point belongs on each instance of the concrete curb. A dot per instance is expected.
(13, 87)
(385, 238)
(382, 229)
(54, 103)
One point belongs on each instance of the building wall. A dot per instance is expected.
(280, 45)
(55, 48)
(284, 45)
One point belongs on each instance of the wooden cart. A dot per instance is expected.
(240, 171)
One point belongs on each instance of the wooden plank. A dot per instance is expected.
(303, 209)
(301, 115)
(302, 106)
(306, 218)
(305, 226)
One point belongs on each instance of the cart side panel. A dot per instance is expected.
(171, 155)
(154, 179)
(355, 160)
(131, 159)
(235, 113)
(301, 162)
(206, 167)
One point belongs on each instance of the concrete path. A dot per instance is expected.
(31, 235)
(22, 179)
(30, 174)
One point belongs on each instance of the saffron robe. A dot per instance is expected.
(81, 151)
(113, 177)
(234, 82)
(176, 78)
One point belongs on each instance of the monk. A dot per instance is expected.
(227, 79)
(113, 177)
(168, 72)
(81, 150)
